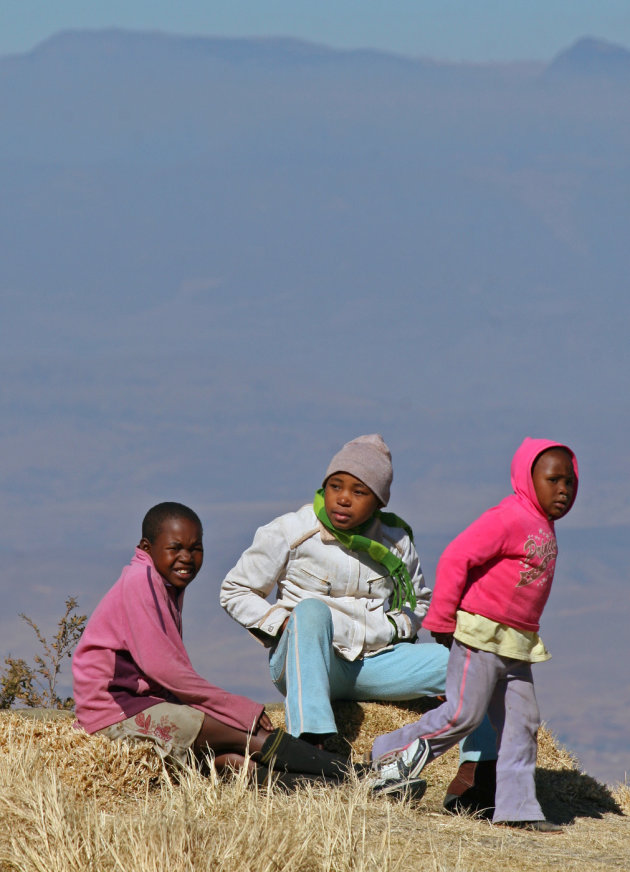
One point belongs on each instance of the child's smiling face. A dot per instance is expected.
(177, 551)
(554, 482)
(348, 502)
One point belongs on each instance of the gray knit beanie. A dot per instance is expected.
(369, 459)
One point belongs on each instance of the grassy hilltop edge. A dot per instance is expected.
(69, 801)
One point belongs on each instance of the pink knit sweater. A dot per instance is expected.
(501, 566)
(131, 656)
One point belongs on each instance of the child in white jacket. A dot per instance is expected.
(350, 599)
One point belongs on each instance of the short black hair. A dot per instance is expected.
(156, 516)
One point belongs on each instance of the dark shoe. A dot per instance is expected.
(472, 789)
(534, 826)
(285, 753)
(412, 789)
(316, 739)
(287, 782)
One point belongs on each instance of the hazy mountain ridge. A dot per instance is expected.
(587, 54)
(592, 57)
(97, 46)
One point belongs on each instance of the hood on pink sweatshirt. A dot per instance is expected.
(521, 469)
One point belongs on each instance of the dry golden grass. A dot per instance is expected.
(71, 802)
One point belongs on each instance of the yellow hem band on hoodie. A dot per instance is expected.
(487, 635)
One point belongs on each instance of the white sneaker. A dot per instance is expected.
(400, 767)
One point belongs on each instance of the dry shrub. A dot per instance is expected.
(621, 795)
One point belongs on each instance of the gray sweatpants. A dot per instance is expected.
(478, 682)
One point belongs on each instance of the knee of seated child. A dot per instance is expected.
(312, 610)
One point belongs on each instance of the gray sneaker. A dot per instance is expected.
(399, 768)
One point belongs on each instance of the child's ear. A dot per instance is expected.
(145, 545)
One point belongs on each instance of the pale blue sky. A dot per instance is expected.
(473, 30)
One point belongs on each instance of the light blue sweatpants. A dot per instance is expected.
(307, 671)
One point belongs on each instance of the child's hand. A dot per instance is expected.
(265, 722)
(445, 639)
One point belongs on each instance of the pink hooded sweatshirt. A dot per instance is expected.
(501, 566)
(131, 656)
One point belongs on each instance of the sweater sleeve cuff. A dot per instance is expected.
(267, 629)
(439, 626)
(403, 628)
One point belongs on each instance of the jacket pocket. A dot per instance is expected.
(303, 578)
(377, 587)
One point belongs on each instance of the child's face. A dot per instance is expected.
(348, 502)
(177, 552)
(554, 482)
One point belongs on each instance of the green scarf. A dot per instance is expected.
(355, 541)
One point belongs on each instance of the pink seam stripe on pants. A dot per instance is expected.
(478, 682)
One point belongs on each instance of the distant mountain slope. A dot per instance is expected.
(81, 45)
(592, 57)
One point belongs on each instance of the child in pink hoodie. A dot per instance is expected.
(133, 678)
(492, 584)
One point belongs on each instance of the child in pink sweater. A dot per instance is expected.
(133, 678)
(492, 584)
